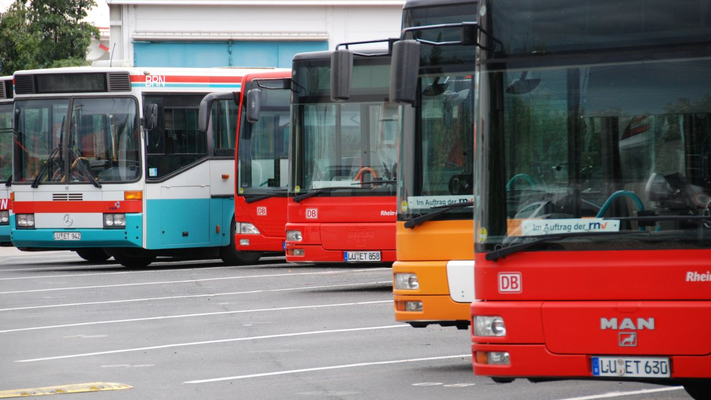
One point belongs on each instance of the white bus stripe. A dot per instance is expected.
(613, 395)
(168, 346)
(298, 371)
(283, 275)
(194, 296)
(119, 321)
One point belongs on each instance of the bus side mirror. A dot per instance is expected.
(341, 72)
(205, 110)
(151, 117)
(254, 105)
(404, 69)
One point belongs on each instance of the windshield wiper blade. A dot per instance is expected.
(8, 183)
(254, 199)
(515, 248)
(318, 192)
(80, 164)
(45, 166)
(412, 223)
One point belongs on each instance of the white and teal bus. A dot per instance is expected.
(110, 162)
(6, 94)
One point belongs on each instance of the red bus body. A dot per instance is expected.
(269, 215)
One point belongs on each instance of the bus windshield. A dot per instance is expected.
(346, 148)
(437, 152)
(596, 145)
(5, 142)
(264, 146)
(84, 139)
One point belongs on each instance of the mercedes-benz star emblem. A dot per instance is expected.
(68, 220)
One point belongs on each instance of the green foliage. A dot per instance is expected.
(44, 34)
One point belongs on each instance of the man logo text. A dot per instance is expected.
(627, 323)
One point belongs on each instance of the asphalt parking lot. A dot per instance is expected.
(202, 330)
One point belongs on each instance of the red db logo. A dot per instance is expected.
(312, 213)
(510, 282)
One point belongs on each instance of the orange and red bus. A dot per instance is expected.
(259, 113)
(341, 204)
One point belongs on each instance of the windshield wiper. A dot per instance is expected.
(318, 192)
(8, 183)
(57, 150)
(254, 199)
(412, 223)
(80, 164)
(515, 248)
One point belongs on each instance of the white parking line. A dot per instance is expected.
(613, 395)
(282, 275)
(119, 321)
(298, 371)
(169, 346)
(95, 267)
(196, 296)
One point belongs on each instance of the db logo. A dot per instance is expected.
(262, 211)
(510, 282)
(312, 213)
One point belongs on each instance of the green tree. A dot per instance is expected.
(45, 34)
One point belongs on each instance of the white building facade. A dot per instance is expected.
(244, 33)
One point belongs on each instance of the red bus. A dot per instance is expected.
(259, 113)
(593, 236)
(341, 204)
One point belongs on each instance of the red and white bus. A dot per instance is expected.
(261, 117)
(342, 195)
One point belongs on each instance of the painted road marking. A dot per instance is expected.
(209, 342)
(210, 314)
(74, 388)
(284, 275)
(299, 371)
(194, 296)
(613, 395)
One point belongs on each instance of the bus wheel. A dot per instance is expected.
(97, 255)
(699, 389)
(231, 256)
(135, 261)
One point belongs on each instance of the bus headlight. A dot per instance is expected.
(25, 220)
(246, 228)
(115, 221)
(5, 217)
(406, 282)
(294, 236)
(489, 326)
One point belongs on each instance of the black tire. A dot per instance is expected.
(135, 261)
(699, 390)
(231, 256)
(95, 255)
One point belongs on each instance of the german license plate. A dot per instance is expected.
(67, 235)
(361, 256)
(634, 367)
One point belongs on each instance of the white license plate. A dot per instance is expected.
(67, 235)
(361, 256)
(634, 367)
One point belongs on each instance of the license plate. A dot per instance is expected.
(361, 256)
(634, 367)
(67, 235)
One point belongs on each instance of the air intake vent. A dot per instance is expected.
(119, 82)
(67, 197)
(25, 84)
